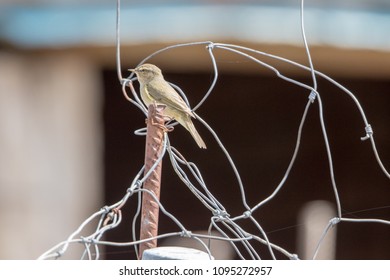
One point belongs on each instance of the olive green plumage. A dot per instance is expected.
(154, 88)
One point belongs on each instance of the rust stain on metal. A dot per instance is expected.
(153, 148)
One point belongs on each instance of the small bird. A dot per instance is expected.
(154, 88)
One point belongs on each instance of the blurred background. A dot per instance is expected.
(66, 133)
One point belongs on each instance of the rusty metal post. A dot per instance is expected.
(153, 149)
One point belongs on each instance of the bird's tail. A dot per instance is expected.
(189, 125)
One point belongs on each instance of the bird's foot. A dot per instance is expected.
(161, 126)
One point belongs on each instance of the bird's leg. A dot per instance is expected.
(163, 127)
(166, 118)
(159, 105)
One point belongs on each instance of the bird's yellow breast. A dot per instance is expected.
(168, 111)
(146, 97)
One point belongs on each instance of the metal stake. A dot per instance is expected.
(153, 148)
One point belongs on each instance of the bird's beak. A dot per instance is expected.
(131, 70)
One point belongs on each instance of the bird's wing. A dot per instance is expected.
(165, 94)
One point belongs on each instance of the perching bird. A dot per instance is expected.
(154, 88)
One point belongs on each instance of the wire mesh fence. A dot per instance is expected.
(223, 225)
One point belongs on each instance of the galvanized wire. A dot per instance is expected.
(243, 242)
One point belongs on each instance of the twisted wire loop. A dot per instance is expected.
(228, 227)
